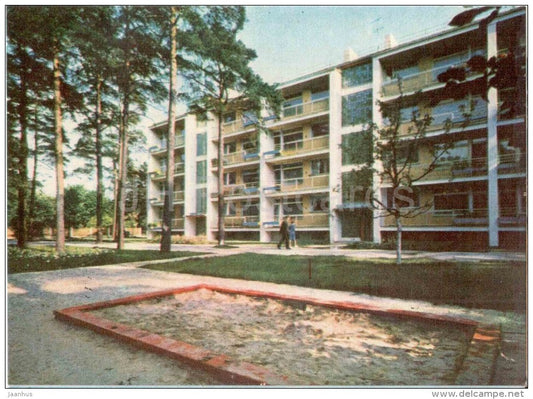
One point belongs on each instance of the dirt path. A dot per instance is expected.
(46, 352)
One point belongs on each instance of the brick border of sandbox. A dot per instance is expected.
(481, 352)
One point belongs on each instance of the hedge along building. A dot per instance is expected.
(300, 166)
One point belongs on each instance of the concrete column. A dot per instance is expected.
(492, 145)
(335, 153)
(190, 175)
(266, 179)
(377, 79)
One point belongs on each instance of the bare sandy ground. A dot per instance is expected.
(45, 352)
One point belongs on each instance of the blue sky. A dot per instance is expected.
(292, 40)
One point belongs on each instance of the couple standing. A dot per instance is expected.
(288, 233)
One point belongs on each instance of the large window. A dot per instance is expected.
(459, 111)
(230, 148)
(450, 201)
(201, 172)
(250, 177)
(357, 108)
(289, 140)
(201, 200)
(357, 75)
(357, 148)
(201, 144)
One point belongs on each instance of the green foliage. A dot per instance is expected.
(491, 285)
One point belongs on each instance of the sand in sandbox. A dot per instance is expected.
(311, 345)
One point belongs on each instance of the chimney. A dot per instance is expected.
(349, 55)
(390, 41)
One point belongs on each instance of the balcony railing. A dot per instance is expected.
(443, 218)
(512, 216)
(448, 170)
(304, 183)
(454, 119)
(179, 141)
(236, 158)
(512, 163)
(305, 109)
(177, 223)
(179, 168)
(310, 220)
(241, 222)
(178, 196)
(303, 146)
(418, 81)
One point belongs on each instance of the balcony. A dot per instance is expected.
(511, 217)
(512, 163)
(305, 109)
(177, 223)
(162, 146)
(300, 147)
(443, 218)
(241, 222)
(419, 81)
(319, 182)
(441, 121)
(179, 168)
(238, 190)
(159, 199)
(312, 220)
(306, 221)
(236, 158)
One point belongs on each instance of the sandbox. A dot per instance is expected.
(262, 338)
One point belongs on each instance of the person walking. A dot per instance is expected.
(292, 232)
(284, 231)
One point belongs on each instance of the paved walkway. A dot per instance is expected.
(63, 355)
(323, 250)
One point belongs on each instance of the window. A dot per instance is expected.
(320, 203)
(406, 72)
(457, 111)
(230, 178)
(201, 172)
(292, 107)
(201, 144)
(230, 117)
(458, 152)
(357, 108)
(230, 148)
(289, 206)
(250, 146)
(250, 177)
(357, 75)
(289, 140)
(355, 185)
(320, 95)
(319, 167)
(289, 174)
(230, 209)
(251, 208)
(201, 200)
(357, 148)
(320, 129)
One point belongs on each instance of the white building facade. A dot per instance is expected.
(299, 165)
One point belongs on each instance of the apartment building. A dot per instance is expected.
(300, 166)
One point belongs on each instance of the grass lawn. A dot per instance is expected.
(43, 258)
(491, 285)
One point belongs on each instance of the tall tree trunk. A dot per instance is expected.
(123, 140)
(220, 185)
(33, 189)
(58, 128)
(99, 168)
(168, 207)
(398, 240)
(22, 186)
